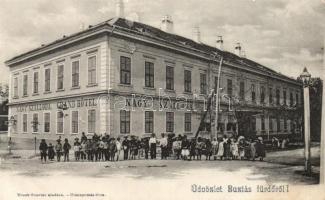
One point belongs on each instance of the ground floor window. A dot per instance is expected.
(25, 123)
(125, 122)
(59, 125)
(270, 124)
(74, 122)
(91, 121)
(35, 123)
(149, 122)
(278, 124)
(188, 122)
(169, 122)
(262, 123)
(47, 119)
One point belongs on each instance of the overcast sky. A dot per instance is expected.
(285, 35)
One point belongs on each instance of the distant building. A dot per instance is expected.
(3, 115)
(95, 81)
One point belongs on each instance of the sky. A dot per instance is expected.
(284, 35)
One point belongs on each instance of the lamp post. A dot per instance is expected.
(305, 77)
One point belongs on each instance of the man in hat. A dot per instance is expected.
(152, 146)
(126, 147)
(163, 145)
(76, 149)
(66, 149)
(58, 149)
(43, 150)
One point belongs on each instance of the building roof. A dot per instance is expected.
(147, 31)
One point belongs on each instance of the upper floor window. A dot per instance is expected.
(242, 90)
(284, 97)
(203, 83)
(270, 95)
(253, 93)
(149, 74)
(187, 81)
(16, 87)
(60, 77)
(169, 78)
(74, 122)
(25, 85)
(277, 96)
(35, 83)
(92, 68)
(47, 84)
(125, 67)
(270, 124)
(229, 87)
(75, 73)
(291, 99)
(297, 98)
(262, 94)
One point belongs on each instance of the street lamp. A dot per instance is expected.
(305, 77)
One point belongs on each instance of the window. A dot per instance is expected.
(284, 97)
(285, 124)
(262, 123)
(91, 121)
(277, 96)
(169, 78)
(16, 87)
(229, 87)
(59, 125)
(278, 124)
(297, 98)
(291, 99)
(125, 122)
(215, 82)
(242, 90)
(60, 77)
(47, 80)
(125, 65)
(25, 123)
(47, 122)
(149, 74)
(253, 124)
(262, 94)
(187, 81)
(188, 122)
(253, 93)
(169, 122)
(35, 123)
(271, 124)
(92, 62)
(270, 95)
(75, 73)
(35, 83)
(74, 122)
(149, 121)
(25, 85)
(203, 83)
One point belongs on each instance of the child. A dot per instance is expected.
(76, 149)
(58, 149)
(66, 149)
(234, 149)
(43, 150)
(51, 152)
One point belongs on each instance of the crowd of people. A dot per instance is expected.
(106, 148)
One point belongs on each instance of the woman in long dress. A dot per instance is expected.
(220, 149)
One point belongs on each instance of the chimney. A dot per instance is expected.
(219, 44)
(197, 34)
(82, 26)
(243, 54)
(167, 24)
(238, 49)
(119, 8)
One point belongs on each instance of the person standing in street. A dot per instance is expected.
(163, 145)
(126, 147)
(153, 146)
(58, 149)
(43, 150)
(66, 149)
(118, 148)
(51, 152)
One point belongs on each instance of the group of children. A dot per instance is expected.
(106, 148)
(221, 148)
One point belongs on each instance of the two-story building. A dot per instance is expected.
(126, 78)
